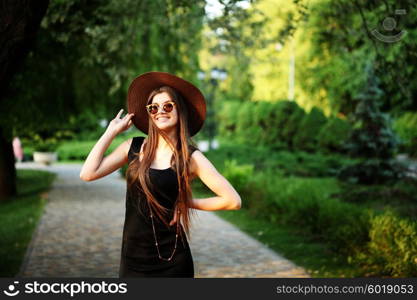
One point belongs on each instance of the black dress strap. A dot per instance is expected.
(135, 146)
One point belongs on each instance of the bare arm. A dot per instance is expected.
(227, 198)
(95, 166)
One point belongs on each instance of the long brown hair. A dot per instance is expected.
(180, 162)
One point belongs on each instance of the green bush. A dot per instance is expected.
(392, 249)
(293, 126)
(245, 129)
(46, 141)
(75, 150)
(406, 128)
(399, 197)
(298, 163)
(273, 118)
(332, 136)
(268, 118)
(306, 136)
(260, 122)
(307, 204)
(227, 117)
(239, 176)
(315, 206)
(373, 171)
(343, 226)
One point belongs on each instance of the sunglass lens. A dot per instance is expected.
(168, 107)
(153, 109)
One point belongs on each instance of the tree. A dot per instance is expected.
(87, 54)
(346, 36)
(372, 138)
(19, 23)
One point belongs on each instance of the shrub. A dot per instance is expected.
(333, 134)
(306, 136)
(307, 204)
(406, 128)
(277, 119)
(293, 126)
(75, 150)
(227, 118)
(343, 226)
(392, 249)
(243, 122)
(260, 122)
(238, 175)
(373, 171)
(267, 117)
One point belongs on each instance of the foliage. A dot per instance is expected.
(46, 141)
(89, 52)
(238, 174)
(371, 138)
(311, 124)
(227, 38)
(400, 197)
(323, 209)
(289, 131)
(406, 128)
(373, 171)
(288, 163)
(306, 204)
(278, 125)
(226, 118)
(279, 117)
(392, 249)
(344, 39)
(332, 136)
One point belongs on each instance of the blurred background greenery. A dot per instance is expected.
(312, 105)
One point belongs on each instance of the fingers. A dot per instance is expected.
(119, 114)
(128, 116)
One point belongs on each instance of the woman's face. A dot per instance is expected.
(164, 120)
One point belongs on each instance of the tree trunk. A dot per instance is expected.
(7, 169)
(19, 22)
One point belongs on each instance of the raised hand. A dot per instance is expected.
(118, 125)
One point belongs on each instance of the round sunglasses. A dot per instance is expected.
(153, 108)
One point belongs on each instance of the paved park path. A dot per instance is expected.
(80, 235)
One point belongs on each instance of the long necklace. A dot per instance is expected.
(156, 241)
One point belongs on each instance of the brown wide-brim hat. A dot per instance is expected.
(144, 84)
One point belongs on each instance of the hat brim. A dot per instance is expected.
(143, 85)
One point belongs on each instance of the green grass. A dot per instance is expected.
(287, 241)
(19, 216)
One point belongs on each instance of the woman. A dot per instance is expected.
(161, 167)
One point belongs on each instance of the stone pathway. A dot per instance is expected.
(80, 235)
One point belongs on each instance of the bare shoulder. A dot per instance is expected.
(194, 161)
(199, 162)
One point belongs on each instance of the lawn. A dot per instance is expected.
(19, 217)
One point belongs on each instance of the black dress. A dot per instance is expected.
(139, 255)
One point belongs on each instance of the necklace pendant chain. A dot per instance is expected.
(156, 241)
